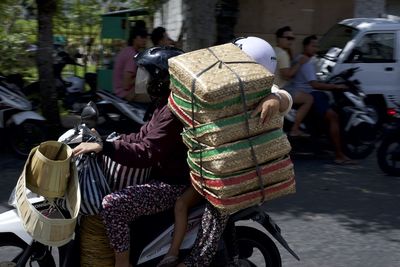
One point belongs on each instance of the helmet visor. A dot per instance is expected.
(142, 80)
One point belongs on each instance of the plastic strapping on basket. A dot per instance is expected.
(241, 87)
(193, 87)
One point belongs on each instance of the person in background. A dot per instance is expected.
(286, 71)
(125, 68)
(306, 80)
(159, 37)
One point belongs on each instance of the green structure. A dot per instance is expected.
(114, 25)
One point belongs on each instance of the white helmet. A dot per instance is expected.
(259, 50)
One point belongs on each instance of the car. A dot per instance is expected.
(372, 45)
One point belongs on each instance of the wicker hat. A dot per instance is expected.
(50, 221)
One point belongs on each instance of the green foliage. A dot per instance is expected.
(14, 57)
(76, 20)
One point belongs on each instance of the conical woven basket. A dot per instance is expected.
(244, 181)
(236, 156)
(49, 231)
(49, 169)
(214, 73)
(94, 243)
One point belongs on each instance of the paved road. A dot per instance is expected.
(340, 216)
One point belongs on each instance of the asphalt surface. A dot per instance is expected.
(341, 216)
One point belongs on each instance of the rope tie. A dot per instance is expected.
(221, 63)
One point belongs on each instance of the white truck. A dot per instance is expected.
(373, 45)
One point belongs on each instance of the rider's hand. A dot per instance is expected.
(83, 148)
(268, 107)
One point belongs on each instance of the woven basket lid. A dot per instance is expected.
(47, 230)
(48, 170)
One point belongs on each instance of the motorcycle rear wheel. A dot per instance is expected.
(25, 136)
(256, 248)
(387, 161)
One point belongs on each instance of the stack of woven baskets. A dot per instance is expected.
(235, 162)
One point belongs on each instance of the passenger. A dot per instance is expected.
(160, 37)
(264, 54)
(286, 71)
(125, 69)
(306, 80)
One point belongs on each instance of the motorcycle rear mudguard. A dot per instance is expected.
(258, 215)
(11, 223)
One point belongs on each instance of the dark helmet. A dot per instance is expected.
(153, 72)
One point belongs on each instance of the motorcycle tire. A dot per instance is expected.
(25, 136)
(357, 152)
(12, 247)
(385, 155)
(355, 148)
(256, 248)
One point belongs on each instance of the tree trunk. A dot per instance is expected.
(46, 10)
(199, 29)
(226, 17)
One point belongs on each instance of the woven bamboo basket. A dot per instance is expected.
(231, 129)
(94, 243)
(214, 73)
(49, 169)
(229, 102)
(244, 181)
(178, 104)
(242, 201)
(224, 130)
(236, 156)
(49, 231)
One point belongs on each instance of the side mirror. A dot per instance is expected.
(90, 114)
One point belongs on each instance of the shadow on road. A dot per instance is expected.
(359, 197)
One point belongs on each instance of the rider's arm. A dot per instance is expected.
(289, 72)
(327, 86)
(162, 132)
(285, 99)
(278, 101)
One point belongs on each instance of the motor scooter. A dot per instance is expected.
(357, 121)
(388, 152)
(244, 245)
(70, 89)
(23, 127)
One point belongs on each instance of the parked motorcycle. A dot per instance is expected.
(389, 150)
(357, 120)
(247, 245)
(23, 127)
(70, 89)
(117, 114)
